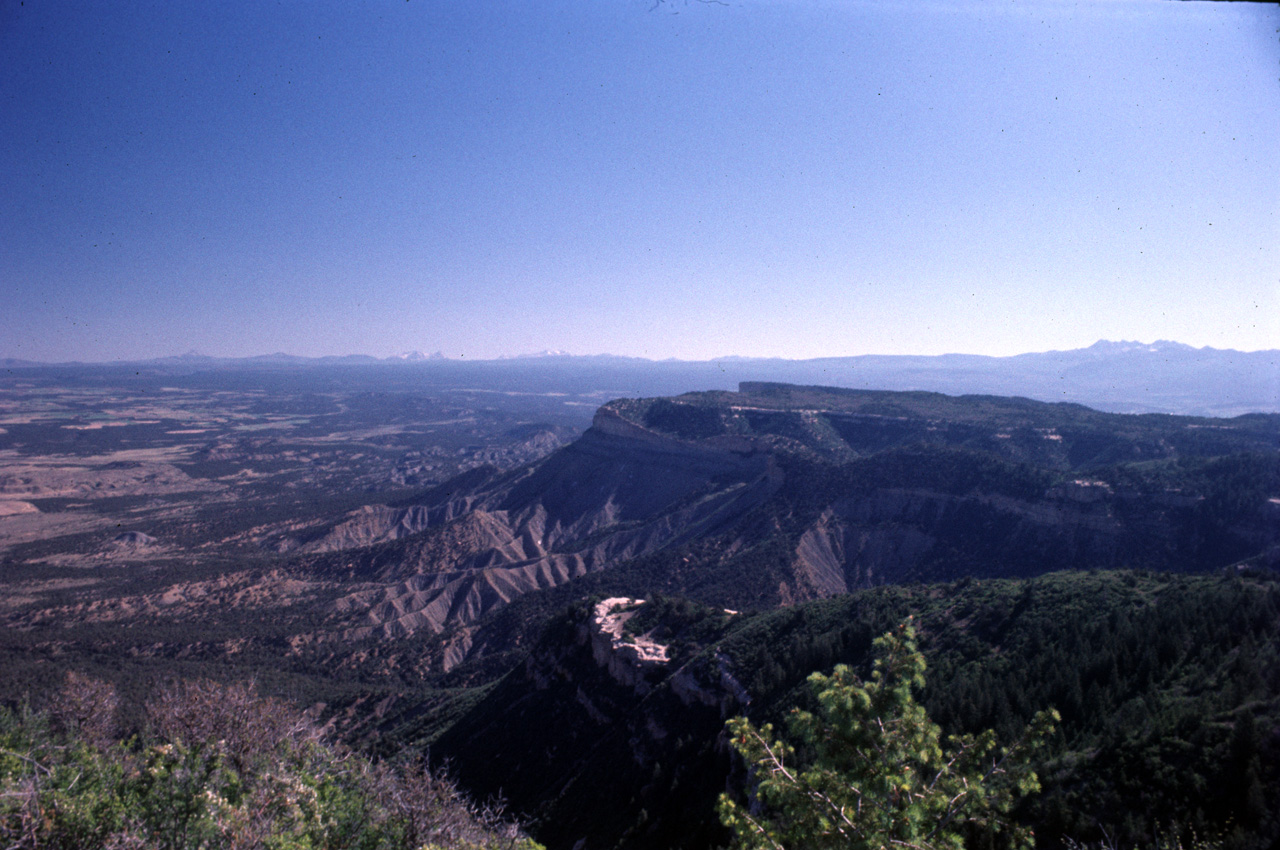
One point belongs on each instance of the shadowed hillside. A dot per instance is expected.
(1168, 687)
(777, 494)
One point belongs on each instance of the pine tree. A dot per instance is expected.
(880, 774)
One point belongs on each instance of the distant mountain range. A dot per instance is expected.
(1119, 377)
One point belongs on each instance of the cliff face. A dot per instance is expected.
(780, 494)
(630, 659)
(597, 715)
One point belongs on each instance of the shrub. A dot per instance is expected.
(877, 772)
(219, 767)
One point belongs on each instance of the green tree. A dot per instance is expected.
(876, 771)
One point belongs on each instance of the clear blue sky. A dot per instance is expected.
(791, 178)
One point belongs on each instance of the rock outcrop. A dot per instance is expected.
(595, 710)
(631, 659)
(133, 538)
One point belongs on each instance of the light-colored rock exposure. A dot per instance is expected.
(627, 657)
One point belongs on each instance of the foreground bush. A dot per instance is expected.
(875, 773)
(219, 767)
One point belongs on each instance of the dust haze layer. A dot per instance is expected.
(1120, 377)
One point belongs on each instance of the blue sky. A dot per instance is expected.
(793, 178)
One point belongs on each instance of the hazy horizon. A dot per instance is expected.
(683, 180)
(418, 355)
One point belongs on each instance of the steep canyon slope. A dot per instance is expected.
(776, 494)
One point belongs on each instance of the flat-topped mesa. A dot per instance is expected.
(778, 493)
(619, 418)
(627, 657)
(610, 420)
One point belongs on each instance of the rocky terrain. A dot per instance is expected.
(771, 495)
(456, 568)
(852, 489)
(170, 501)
